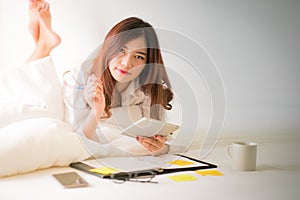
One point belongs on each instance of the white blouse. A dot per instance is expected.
(77, 109)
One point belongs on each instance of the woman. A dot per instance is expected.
(127, 70)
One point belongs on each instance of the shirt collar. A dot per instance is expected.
(132, 88)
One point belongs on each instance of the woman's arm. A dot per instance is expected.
(90, 125)
(81, 92)
(97, 112)
(155, 145)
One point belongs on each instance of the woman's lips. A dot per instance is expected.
(123, 71)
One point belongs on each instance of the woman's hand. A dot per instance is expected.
(99, 101)
(94, 96)
(89, 92)
(155, 145)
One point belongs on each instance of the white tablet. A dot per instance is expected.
(146, 127)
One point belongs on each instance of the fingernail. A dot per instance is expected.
(137, 137)
(155, 136)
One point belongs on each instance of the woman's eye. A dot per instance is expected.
(140, 57)
(122, 50)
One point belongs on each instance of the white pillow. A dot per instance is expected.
(36, 144)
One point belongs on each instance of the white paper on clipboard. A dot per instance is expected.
(166, 161)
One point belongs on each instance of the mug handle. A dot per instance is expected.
(229, 147)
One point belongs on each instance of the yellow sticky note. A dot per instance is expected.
(183, 178)
(104, 170)
(209, 173)
(181, 162)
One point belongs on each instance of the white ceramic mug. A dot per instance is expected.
(243, 155)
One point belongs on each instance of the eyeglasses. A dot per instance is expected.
(144, 176)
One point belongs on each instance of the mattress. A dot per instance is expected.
(277, 177)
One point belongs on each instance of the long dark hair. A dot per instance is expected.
(154, 80)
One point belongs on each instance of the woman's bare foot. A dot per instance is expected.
(48, 39)
(33, 26)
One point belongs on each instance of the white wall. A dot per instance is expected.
(255, 45)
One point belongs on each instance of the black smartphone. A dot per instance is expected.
(70, 180)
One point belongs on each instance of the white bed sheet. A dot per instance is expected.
(277, 177)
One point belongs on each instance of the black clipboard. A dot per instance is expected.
(157, 171)
(173, 170)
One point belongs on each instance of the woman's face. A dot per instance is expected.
(130, 60)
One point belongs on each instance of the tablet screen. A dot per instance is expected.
(146, 127)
